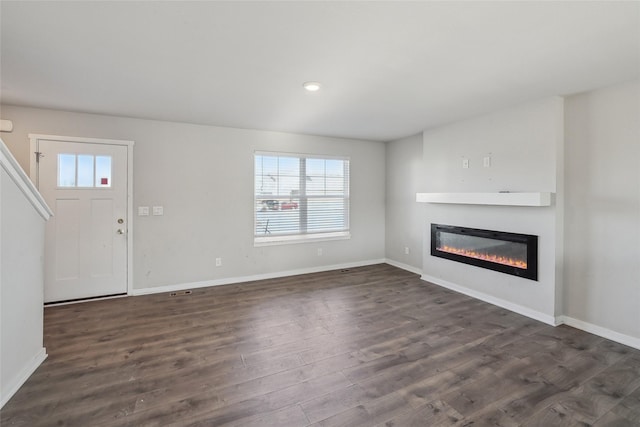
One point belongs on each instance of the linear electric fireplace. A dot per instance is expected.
(509, 253)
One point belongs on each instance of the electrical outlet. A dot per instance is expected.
(143, 210)
(465, 163)
(319, 251)
(218, 262)
(406, 250)
(486, 162)
(158, 210)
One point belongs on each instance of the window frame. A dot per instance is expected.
(303, 237)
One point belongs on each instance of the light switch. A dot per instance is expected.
(465, 163)
(487, 162)
(158, 210)
(143, 210)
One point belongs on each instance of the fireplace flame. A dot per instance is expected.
(513, 262)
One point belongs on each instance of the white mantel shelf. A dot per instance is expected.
(499, 199)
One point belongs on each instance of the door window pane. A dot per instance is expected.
(85, 171)
(66, 170)
(103, 171)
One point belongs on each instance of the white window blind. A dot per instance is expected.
(300, 196)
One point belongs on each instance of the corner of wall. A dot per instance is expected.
(403, 216)
(559, 207)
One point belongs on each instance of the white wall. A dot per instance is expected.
(602, 241)
(21, 292)
(523, 143)
(404, 217)
(203, 176)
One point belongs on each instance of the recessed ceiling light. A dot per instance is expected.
(312, 86)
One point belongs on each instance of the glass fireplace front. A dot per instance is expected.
(509, 253)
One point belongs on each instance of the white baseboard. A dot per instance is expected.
(602, 332)
(404, 266)
(241, 279)
(516, 308)
(79, 301)
(24, 375)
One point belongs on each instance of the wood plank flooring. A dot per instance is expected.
(372, 346)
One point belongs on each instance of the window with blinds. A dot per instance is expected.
(298, 197)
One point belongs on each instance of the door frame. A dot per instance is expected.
(33, 174)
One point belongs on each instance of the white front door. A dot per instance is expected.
(85, 185)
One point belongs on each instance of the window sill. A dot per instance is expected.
(305, 238)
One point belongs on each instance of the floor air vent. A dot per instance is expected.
(175, 294)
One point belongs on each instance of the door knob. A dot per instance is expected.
(120, 231)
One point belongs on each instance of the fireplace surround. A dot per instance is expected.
(510, 253)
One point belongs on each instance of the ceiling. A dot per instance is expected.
(388, 69)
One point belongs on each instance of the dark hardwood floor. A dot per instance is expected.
(365, 347)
